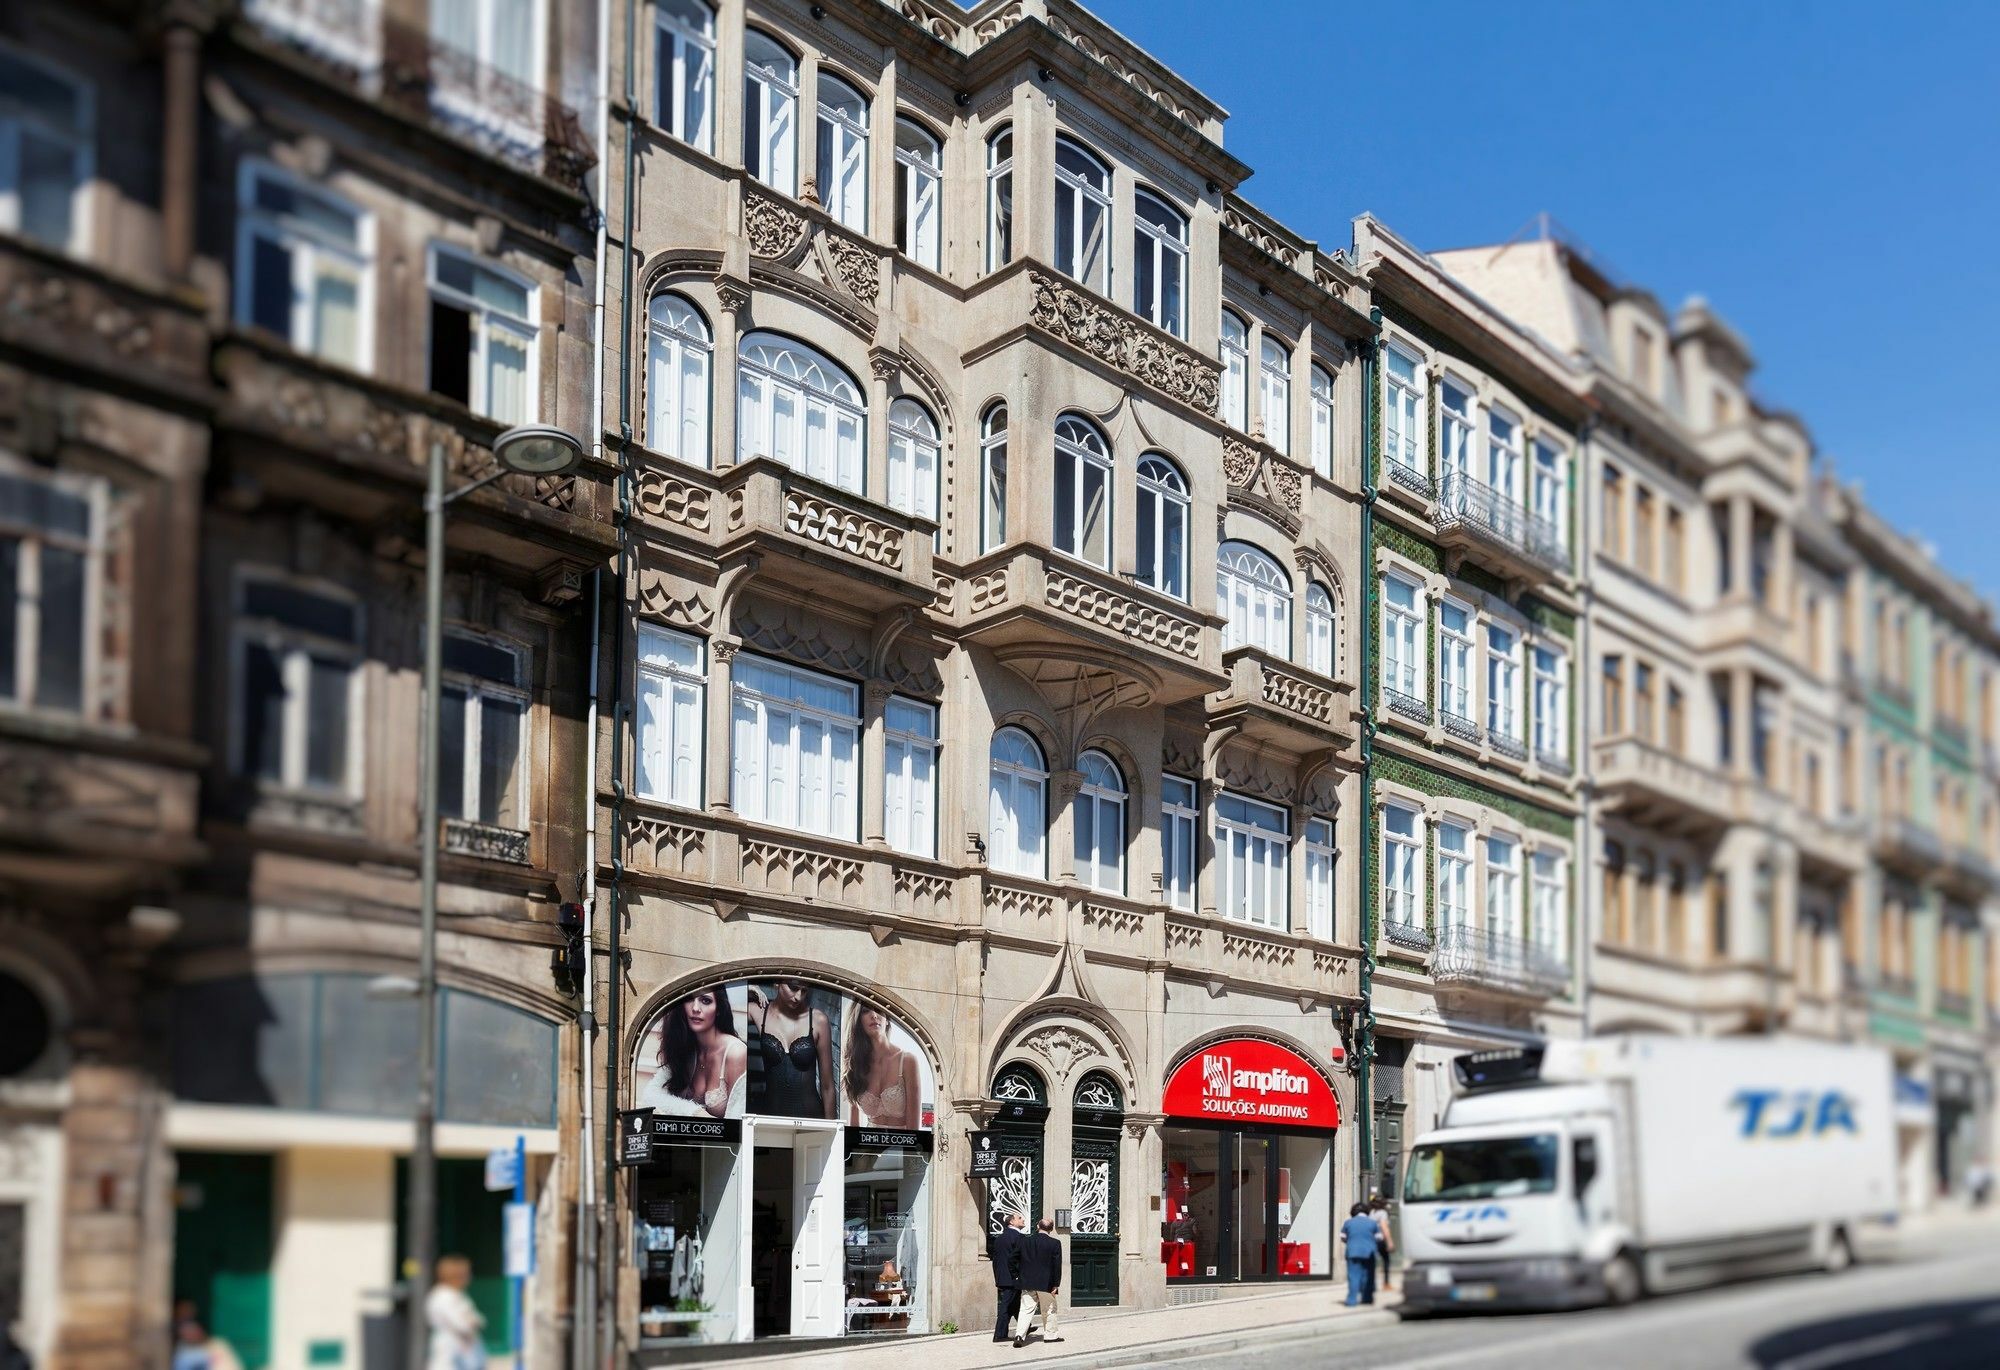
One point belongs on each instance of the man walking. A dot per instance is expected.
(1361, 1235)
(1041, 1280)
(1007, 1249)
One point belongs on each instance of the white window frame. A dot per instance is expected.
(666, 749)
(31, 539)
(1458, 423)
(1503, 682)
(1403, 667)
(488, 323)
(308, 250)
(1011, 781)
(680, 356)
(1454, 874)
(295, 649)
(1254, 596)
(840, 151)
(780, 411)
(1234, 346)
(909, 776)
(468, 90)
(1103, 796)
(80, 138)
(679, 48)
(919, 193)
(1274, 391)
(1252, 884)
(1551, 487)
(1550, 666)
(1165, 251)
(1503, 908)
(1079, 193)
(913, 459)
(1503, 452)
(993, 477)
(1320, 861)
(753, 779)
(1321, 387)
(1163, 490)
(771, 93)
(1180, 826)
(999, 198)
(1322, 630)
(1549, 894)
(1455, 650)
(1403, 432)
(1083, 457)
(478, 689)
(1402, 867)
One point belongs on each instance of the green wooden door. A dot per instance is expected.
(222, 1247)
(470, 1223)
(1096, 1113)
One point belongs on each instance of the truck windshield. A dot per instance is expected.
(1491, 1168)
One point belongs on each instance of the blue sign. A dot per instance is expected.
(1790, 1113)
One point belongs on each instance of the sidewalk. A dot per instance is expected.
(1111, 1336)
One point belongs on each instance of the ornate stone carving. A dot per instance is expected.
(771, 229)
(657, 598)
(673, 500)
(1062, 1047)
(1131, 76)
(858, 269)
(884, 365)
(465, 838)
(809, 638)
(1122, 614)
(1071, 315)
(1254, 233)
(931, 21)
(794, 870)
(1263, 482)
(731, 295)
(833, 525)
(1297, 695)
(998, 22)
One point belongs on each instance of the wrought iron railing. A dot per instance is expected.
(1507, 745)
(1410, 478)
(1555, 763)
(1468, 503)
(1497, 960)
(1408, 706)
(1407, 935)
(1459, 726)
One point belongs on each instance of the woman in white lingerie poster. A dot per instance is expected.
(884, 1084)
(700, 1061)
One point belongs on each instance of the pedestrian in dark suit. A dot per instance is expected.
(1008, 1250)
(1041, 1279)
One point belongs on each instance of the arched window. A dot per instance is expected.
(913, 459)
(1083, 491)
(1098, 1092)
(1274, 392)
(1083, 215)
(684, 71)
(795, 405)
(993, 478)
(1235, 372)
(1322, 421)
(1000, 199)
(1017, 805)
(842, 146)
(1100, 824)
(677, 360)
(1252, 593)
(1319, 629)
(1159, 263)
(1163, 526)
(919, 191)
(770, 113)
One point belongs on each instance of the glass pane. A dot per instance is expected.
(482, 659)
(1066, 199)
(506, 377)
(451, 755)
(336, 317)
(498, 1064)
(263, 713)
(499, 762)
(296, 608)
(244, 1040)
(10, 617)
(271, 286)
(1192, 1185)
(59, 667)
(1253, 1229)
(1096, 514)
(326, 723)
(1305, 1206)
(366, 1049)
(883, 1247)
(47, 186)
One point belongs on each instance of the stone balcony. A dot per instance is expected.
(1651, 785)
(1740, 620)
(89, 811)
(1968, 870)
(1282, 704)
(1228, 954)
(71, 316)
(813, 537)
(1483, 959)
(1498, 530)
(1072, 628)
(1908, 845)
(1837, 844)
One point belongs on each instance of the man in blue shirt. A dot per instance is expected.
(1362, 1237)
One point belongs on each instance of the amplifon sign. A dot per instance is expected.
(1249, 1081)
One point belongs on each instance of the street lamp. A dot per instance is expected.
(531, 450)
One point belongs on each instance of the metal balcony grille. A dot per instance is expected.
(1408, 706)
(1458, 726)
(1411, 479)
(1407, 935)
(1507, 746)
(1469, 503)
(1555, 763)
(1496, 960)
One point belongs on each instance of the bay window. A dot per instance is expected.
(1274, 392)
(1503, 683)
(1255, 600)
(482, 726)
(1503, 887)
(1319, 878)
(1016, 809)
(1454, 661)
(482, 337)
(1163, 526)
(1099, 819)
(1083, 215)
(1319, 629)
(46, 121)
(842, 146)
(1551, 707)
(1235, 349)
(913, 459)
(1322, 421)
(1159, 258)
(1454, 876)
(49, 532)
(1083, 491)
(672, 694)
(1403, 435)
(770, 113)
(678, 352)
(909, 780)
(795, 748)
(919, 193)
(298, 654)
(993, 478)
(1402, 867)
(1402, 638)
(797, 406)
(684, 71)
(1180, 818)
(1000, 199)
(1250, 848)
(304, 267)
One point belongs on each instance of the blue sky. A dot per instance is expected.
(1827, 174)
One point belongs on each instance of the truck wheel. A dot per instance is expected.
(1839, 1252)
(1621, 1281)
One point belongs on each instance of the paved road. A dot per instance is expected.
(1934, 1306)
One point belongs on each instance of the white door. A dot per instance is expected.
(816, 1289)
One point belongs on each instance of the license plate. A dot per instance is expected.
(1472, 1293)
(1439, 1278)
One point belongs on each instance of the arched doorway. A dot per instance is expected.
(1097, 1110)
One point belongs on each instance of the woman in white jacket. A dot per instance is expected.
(454, 1322)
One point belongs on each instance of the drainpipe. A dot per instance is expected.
(1581, 678)
(1364, 1047)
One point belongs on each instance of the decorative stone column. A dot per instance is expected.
(1297, 895)
(1206, 790)
(732, 297)
(884, 366)
(874, 769)
(721, 658)
(1740, 524)
(1064, 786)
(180, 141)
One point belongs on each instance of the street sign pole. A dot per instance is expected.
(514, 1281)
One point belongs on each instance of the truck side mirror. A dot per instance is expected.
(1583, 1160)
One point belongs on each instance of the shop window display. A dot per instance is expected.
(883, 1236)
(686, 1233)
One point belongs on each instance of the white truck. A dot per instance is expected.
(1599, 1170)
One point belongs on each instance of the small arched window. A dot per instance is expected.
(993, 478)
(913, 459)
(1000, 199)
(770, 112)
(684, 71)
(842, 152)
(677, 361)
(1083, 491)
(1253, 595)
(1163, 526)
(1159, 263)
(1274, 392)
(797, 406)
(1322, 421)
(1100, 824)
(1083, 215)
(1235, 372)
(1017, 806)
(919, 192)
(1319, 629)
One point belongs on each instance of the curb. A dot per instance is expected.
(1218, 1343)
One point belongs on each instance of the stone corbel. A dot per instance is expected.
(1064, 785)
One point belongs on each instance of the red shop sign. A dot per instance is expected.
(1251, 1082)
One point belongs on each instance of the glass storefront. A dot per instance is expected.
(1245, 1204)
(884, 1229)
(685, 1230)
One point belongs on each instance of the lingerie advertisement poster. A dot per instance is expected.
(786, 1049)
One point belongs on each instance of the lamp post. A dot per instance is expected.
(530, 449)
